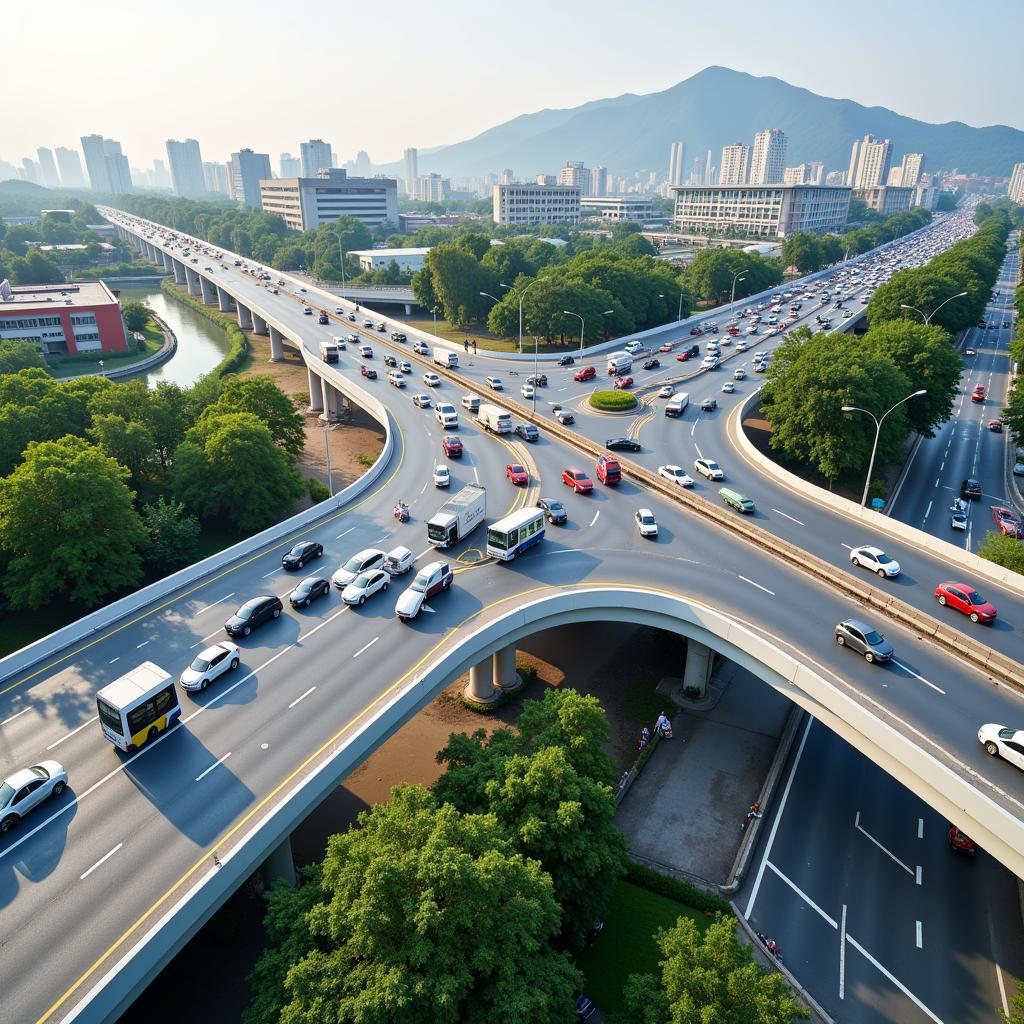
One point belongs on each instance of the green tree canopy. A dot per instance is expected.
(136, 314)
(128, 442)
(173, 535)
(18, 355)
(268, 403)
(805, 251)
(33, 407)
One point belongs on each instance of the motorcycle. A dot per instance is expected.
(401, 513)
(771, 946)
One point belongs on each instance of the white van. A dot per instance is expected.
(619, 363)
(449, 360)
(632, 347)
(471, 402)
(490, 417)
(329, 351)
(677, 404)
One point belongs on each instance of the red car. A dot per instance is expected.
(667, 347)
(683, 356)
(452, 446)
(964, 598)
(577, 480)
(623, 382)
(517, 474)
(978, 394)
(732, 330)
(695, 332)
(585, 373)
(996, 426)
(368, 372)
(1007, 521)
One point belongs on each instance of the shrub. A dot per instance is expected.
(613, 401)
(316, 489)
(365, 460)
(676, 889)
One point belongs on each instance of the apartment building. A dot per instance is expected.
(306, 203)
(536, 204)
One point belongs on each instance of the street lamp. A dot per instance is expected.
(522, 295)
(679, 312)
(569, 312)
(878, 431)
(342, 253)
(928, 319)
(738, 276)
(327, 450)
(434, 311)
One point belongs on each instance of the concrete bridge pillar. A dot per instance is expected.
(224, 303)
(168, 261)
(506, 678)
(481, 689)
(194, 288)
(208, 288)
(259, 325)
(280, 864)
(316, 394)
(244, 317)
(277, 345)
(179, 271)
(408, 309)
(697, 674)
(332, 398)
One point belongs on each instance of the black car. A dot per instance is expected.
(970, 488)
(253, 613)
(554, 510)
(622, 444)
(322, 318)
(303, 552)
(539, 380)
(527, 431)
(566, 361)
(709, 405)
(397, 336)
(309, 590)
(390, 360)
(652, 364)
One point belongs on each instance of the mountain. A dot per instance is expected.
(714, 107)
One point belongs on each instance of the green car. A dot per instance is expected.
(735, 500)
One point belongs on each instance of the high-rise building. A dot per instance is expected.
(161, 175)
(1016, 188)
(48, 175)
(186, 168)
(574, 174)
(507, 177)
(289, 166)
(806, 174)
(118, 171)
(697, 173)
(911, 168)
(8, 172)
(30, 170)
(735, 165)
(869, 162)
(599, 181)
(709, 168)
(70, 168)
(363, 167)
(676, 162)
(547, 180)
(768, 162)
(412, 169)
(215, 177)
(314, 154)
(246, 170)
(107, 165)
(306, 203)
(895, 175)
(432, 188)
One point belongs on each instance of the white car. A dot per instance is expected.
(676, 474)
(728, 387)
(434, 578)
(741, 346)
(667, 391)
(876, 560)
(338, 309)
(365, 585)
(441, 476)
(1000, 742)
(368, 558)
(421, 401)
(208, 665)
(431, 380)
(709, 363)
(708, 468)
(494, 383)
(739, 374)
(528, 391)
(405, 366)
(27, 788)
(421, 348)
(646, 523)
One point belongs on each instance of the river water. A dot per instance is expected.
(201, 344)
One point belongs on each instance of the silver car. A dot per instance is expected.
(209, 664)
(27, 789)
(864, 639)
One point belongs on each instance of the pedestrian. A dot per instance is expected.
(474, 346)
(663, 727)
(755, 811)
(465, 346)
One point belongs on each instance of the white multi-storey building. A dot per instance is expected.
(412, 169)
(536, 204)
(911, 168)
(1016, 189)
(315, 156)
(869, 162)
(246, 172)
(186, 168)
(735, 165)
(768, 161)
(306, 203)
(676, 163)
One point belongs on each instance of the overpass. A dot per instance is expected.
(729, 586)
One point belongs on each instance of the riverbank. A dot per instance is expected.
(160, 344)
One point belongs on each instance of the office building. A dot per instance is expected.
(107, 165)
(289, 166)
(886, 199)
(911, 168)
(768, 161)
(160, 175)
(314, 155)
(536, 204)
(306, 203)
(432, 188)
(636, 208)
(246, 171)
(63, 319)
(676, 163)
(30, 170)
(48, 175)
(735, 165)
(575, 175)
(215, 177)
(362, 165)
(70, 168)
(380, 259)
(547, 180)
(598, 181)
(869, 162)
(760, 211)
(1016, 188)
(412, 169)
(806, 174)
(696, 174)
(186, 165)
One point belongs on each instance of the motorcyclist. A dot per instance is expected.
(401, 510)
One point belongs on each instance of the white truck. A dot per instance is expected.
(494, 419)
(619, 363)
(329, 351)
(449, 360)
(457, 517)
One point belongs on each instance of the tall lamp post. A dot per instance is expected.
(878, 431)
(522, 295)
(739, 276)
(928, 319)
(569, 312)
(341, 252)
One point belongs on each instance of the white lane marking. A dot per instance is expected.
(366, 647)
(565, 551)
(927, 512)
(700, 454)
(917, 875)
(778, 819)
(781, 513)
(563, 389)
(693, 429)
(849, 547)
(1002, 991)
(23, 711)
(807, 899)
(920, 936)
(205, 638)
(112, 660)
(67, 736)
(219, 600)
(217, 763)
(102, 859)
(920, 828)
(596, 515)
(911, 672)
(143, 644)
(344, 533)
(936, 484)
(943, 466)
(857, 825)
(842, 955)
(303, 697)
(424, 487)
(278, 569)
(895, 981)
(476, 476)
(758, 585)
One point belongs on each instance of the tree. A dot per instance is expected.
(34, 268)
(805, 251)
(173, 536)
(136, 314)
(709, 977)
(925, 289)
(421, 908)
(457, 280)
(128, 442)
(89, 548)
(168, 416)
(33, 407)
(269, 404)
(18, 355)
(229, 466)
(1013, 412)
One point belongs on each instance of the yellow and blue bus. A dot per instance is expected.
(515, 534)
(138, 706)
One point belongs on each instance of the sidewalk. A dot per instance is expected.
(685, 810)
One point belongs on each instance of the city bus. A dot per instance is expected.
(138, 706)
(515, 534)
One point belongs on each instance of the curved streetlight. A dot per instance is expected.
(569, 312)
(928, 319)
(522, 295)
(740, 275)
(679, 312)
(878, 431)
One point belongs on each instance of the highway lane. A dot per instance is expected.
(847, 853)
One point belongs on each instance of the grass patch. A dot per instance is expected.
(613, 401)
(641, 702)
(627, 946)
(365, 460)
(490, 342)
(89, 362)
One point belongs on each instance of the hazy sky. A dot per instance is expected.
(381, 76)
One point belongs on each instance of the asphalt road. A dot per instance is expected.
(129, 830)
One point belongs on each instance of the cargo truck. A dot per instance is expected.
(457, 517)
(449, 360)
(490, 417)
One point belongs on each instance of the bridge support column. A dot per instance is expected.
(192, 278)
(697, 674)
(316, 394)
(408, 309)
(224, 303)
(168, 261)
(208, 288)
(506, 678)
(279, 864)
(179, 271)
(244, 317)
(259, 325)
(332, 398)
(481, 689)
(276, 344)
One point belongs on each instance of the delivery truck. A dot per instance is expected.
(449, 360)
(458, 517)
(492, 418)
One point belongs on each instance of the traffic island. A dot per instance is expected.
(613, 401)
